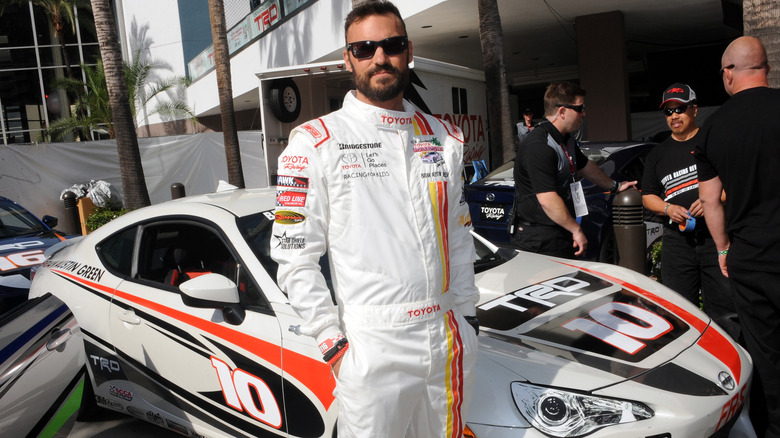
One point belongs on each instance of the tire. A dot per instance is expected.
(283, 112)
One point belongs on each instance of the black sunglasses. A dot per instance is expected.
(366, 49)
(577, 108)
(677, 109)
(726, 68)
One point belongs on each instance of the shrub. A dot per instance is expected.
(101, 216)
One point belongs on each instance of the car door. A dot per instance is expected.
(41, 368)
(196, 367)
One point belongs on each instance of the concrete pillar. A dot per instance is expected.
(601, 49)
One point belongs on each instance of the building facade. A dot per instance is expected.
(32, 59)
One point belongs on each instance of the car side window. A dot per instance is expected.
(116, 252)
(171, 253)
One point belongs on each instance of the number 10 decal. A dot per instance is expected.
(238, 395)
(621, 333)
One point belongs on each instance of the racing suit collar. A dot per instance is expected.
(380, 117)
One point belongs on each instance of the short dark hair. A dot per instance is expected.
(368, 8)
(560, 93)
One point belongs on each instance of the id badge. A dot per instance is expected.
(578, 196)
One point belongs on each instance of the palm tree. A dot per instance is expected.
(224, 84)
(93, 112)
(132, 173)
(492, 38)
(760, 20)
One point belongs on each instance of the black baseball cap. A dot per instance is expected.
(678, 92)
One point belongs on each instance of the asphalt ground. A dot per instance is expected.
(109, 424)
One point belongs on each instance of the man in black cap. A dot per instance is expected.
(526, 125)
(670, 187)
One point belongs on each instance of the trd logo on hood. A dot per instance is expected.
(512, 310)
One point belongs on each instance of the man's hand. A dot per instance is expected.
(580, 241)
(677, 214)
(722, 263)
(696, 209)
(625, 185)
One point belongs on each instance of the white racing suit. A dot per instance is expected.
(381, 192)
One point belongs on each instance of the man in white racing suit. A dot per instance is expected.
(377, 186)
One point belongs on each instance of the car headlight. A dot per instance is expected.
(566, 414)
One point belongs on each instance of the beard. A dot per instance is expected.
(387, 88)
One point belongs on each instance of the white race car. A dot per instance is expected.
(185, 326)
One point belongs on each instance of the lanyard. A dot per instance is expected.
(571, 162)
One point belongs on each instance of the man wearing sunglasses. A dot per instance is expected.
(740, 153)
(670, 188)
(548, 167)
(381, 184)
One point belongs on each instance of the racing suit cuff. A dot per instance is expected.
(328, 337)
(467, 309)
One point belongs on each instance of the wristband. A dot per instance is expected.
(724, 252)
(615, 186)
(337, 350)
(338, 355)
(667, 208)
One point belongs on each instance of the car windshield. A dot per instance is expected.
(596, 154)
(16, 221)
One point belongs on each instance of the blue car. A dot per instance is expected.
(23, 239)
(491, 197)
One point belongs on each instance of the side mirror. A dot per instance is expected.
(50, 221)
(214, 291)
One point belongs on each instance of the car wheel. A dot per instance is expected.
(285, 100)
(608, 252)
(89, 408)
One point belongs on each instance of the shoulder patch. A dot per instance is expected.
(316, 130)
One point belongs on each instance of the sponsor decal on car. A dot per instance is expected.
(21, 260)
(154, 417)
(492, 213)
(135, 411)
(287, 217)
(243, 391)
(298, 182)
(85, 271)
(176, 427)
(732, 407)
(124, 394)
(104, 364)
(621, 324)
(290, 198)
(111, 404)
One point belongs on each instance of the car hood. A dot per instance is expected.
(587, 325)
